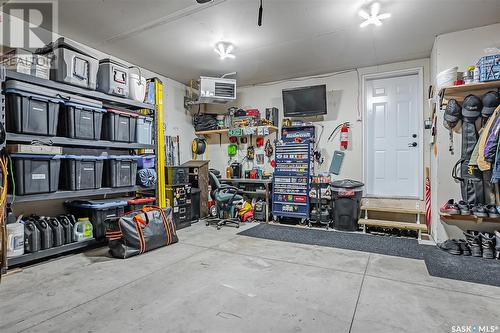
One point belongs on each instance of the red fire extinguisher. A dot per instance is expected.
(344, 136)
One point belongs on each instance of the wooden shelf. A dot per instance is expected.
(411, 211)
(453, 219)
(272, 129)
(461, 91)
(393, 224)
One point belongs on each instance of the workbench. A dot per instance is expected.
(265, 194)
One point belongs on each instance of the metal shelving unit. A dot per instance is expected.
(54, 251)
(63, 141)
(108, 101)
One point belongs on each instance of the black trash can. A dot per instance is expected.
(347, 196)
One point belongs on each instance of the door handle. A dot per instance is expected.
(413, 144)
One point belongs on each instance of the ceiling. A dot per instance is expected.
(298, 38)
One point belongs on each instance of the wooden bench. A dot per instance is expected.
(417, 226)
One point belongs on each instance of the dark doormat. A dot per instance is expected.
(463, 268)
(392, 246)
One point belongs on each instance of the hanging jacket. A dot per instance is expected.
(481, 161)
(495, 175)
(475, 152)
(490, 148)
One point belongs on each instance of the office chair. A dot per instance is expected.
(225, 197)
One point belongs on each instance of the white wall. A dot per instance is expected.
(462, 49)
(343, 105)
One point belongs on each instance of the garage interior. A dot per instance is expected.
(250, 166)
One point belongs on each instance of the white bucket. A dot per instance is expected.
(446, 77)
(137, 87)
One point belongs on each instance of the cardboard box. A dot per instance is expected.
(34, 149)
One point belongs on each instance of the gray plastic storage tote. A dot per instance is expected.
(119, 126)
(81, 121)
(120, 171)
(31, 109)
(34, 173)
(112, 78)
(80, 172)
(144, 130)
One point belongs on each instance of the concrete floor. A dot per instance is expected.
(216, 281)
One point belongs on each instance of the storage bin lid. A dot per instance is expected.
(97, 204)
(112, 61)
(85, 106)
(85, 157)
(124, 113)
(141, 200)
(37, 156)
(123, 157)
(347, 184)
(62, 42)
(145, 118)
(150, 157)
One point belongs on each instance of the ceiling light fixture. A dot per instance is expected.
(374, 17)
(224, 49)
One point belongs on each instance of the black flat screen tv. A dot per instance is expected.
(304, 101)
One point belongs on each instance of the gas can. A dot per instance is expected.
(65, 222)
(57, 231)
(82, 230)
(31, 237)
(46, 240)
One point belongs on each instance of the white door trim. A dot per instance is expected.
(385, 75)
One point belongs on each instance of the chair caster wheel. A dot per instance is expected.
(207, 224)
(218, 227)
(237, 226)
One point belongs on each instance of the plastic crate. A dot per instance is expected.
(139, 203)
(81, 121)
(34, 174)
(31, 112)
(489, 68)
(146, 162)
(144, 131)
(119, 125)
(120, 170)
(113, 78)
(97, 211)
(80, 172)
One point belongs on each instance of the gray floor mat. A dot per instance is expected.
(392, 246)
(463, 268)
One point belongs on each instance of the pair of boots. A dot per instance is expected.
(483, 244)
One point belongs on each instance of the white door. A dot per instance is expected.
(393, 152)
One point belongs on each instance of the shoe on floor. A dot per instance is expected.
(450, 207)
(464, 247)
(492, 211)
(488, 245)
(479, 211)
(473, 239)
(451, 246)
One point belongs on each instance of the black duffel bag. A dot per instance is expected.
(140, 231)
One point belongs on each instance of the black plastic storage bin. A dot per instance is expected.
(80, 121)
(119, 126)
(35, 173)
(31, 109)
(80, 172)
(120, 170)
(97, 211)
(347, 195)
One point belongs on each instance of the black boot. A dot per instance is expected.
(497, 246)
(474, 240)
(464, 247)
(488, 242)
